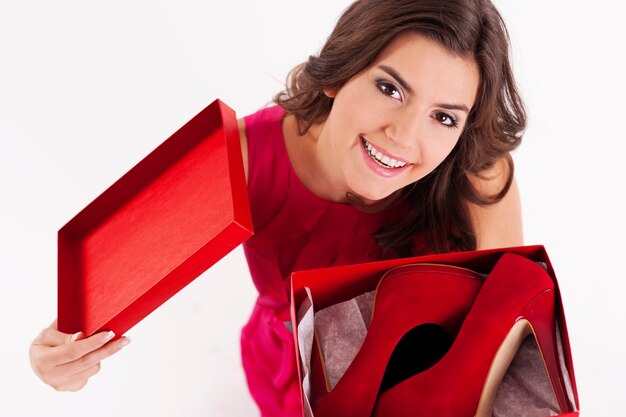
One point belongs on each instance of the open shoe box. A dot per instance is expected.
(329, 286)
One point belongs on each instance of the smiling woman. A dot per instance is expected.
(393, 141)
(423, 83)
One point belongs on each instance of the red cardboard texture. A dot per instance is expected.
(330, 286)
(173, 215)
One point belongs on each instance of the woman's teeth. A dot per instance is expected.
(380, 158)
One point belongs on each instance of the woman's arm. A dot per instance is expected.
(497, 225)
(244, 145)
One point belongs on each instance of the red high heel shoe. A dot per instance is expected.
(517, 299)
(406, 297)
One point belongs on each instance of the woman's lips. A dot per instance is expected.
(382, 168)
(384, 152)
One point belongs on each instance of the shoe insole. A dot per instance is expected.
(419, 349)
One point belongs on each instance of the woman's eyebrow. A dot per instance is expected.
(462, 107)
(397, 76)
(408, 88)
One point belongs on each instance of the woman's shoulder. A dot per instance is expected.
(492, 180)
(498, 224)
(266, 164)
(265, 122)
(243, 139)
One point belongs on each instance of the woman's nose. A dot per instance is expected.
(406, 133)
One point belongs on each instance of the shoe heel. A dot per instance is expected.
(540, 315)
(537, 318)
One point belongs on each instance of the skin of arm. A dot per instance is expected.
(497, 225)
(244, 145)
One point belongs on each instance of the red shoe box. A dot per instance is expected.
(329, 286)
(167, 220)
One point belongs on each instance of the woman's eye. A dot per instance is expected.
(446, 120)
(389, 89)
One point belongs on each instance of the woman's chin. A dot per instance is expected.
(370, 196)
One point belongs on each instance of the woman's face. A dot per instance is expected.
(396, 121)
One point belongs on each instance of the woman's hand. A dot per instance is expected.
(65, 361)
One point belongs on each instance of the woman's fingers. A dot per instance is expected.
(74, 382)
(66, 361)
(92, 358)
(71, 351)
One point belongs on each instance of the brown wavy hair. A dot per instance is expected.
(435, 207)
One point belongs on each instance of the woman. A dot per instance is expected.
(394, 141)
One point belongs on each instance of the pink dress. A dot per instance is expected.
(294, 230)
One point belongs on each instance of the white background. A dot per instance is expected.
(89, 88)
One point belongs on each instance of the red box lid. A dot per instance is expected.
(162, 224)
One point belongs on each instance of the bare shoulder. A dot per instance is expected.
(497, 225)
(244, 145)
(491, 181)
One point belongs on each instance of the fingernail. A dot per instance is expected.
(125, 341)
(110, 335)
(75, 336)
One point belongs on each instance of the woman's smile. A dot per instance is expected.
(382, 162)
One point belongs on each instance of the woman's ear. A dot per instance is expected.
(330, 92)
